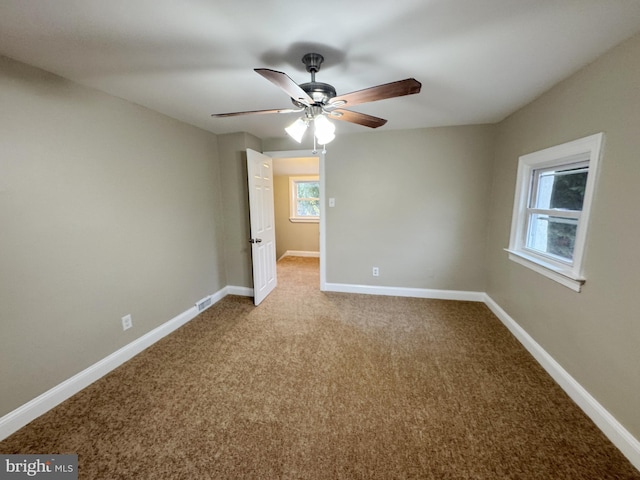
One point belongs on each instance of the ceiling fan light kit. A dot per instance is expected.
(296, 129)
(319, 100)
(324, 129)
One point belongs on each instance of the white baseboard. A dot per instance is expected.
(31, 410)
(619, 436)
(406, 292)
(240, 291)
(299, 253)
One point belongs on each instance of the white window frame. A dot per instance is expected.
(293, 199)
(586, 151)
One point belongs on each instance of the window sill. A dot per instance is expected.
(548, 270)
(304, 220)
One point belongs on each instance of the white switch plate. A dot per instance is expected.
(332, 202)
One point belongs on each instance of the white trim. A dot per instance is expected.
(233, 290)
(546, 269)
(18, 418)
(619, 436)
(323, 223)
(323, 217)
(406, 292)
(299, 253)
(29, 411)
(304, 220)
(587, 150)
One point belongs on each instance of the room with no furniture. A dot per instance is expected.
(302, 240)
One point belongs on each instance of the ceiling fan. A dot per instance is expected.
(319, 101)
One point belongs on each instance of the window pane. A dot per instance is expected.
(553, 235)
(308, 208)
(563, 189)
(308, 189)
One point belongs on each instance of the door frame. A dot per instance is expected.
(323, 217)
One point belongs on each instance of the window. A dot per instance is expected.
(551, 209)
(304, 199)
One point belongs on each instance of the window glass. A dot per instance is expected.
(308, 189)
(561, 189)
(553, 235)
(556, 193)
(308, 208)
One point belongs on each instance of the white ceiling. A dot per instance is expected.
(478, 60)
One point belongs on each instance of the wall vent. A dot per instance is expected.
(205, 303)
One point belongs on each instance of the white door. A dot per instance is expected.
(263, 233)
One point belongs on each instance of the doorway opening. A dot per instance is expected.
(295, 173)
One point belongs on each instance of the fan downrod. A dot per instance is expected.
(320, 92)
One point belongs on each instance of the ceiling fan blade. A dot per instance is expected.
(400, 88)
(283, 81)
(357, 117)
(251, 112)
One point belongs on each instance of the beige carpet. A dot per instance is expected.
(328, 386)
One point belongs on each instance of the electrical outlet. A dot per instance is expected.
(127, 322)
(376, 271)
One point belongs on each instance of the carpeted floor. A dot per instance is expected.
(328, 386)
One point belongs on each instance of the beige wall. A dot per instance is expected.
(290, 235)
(106, 209)
(235, 193)
(594, 335)
(411, 203)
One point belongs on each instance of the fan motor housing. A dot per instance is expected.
(320, 92)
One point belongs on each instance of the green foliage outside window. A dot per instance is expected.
(568, 191)
(308, 198)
